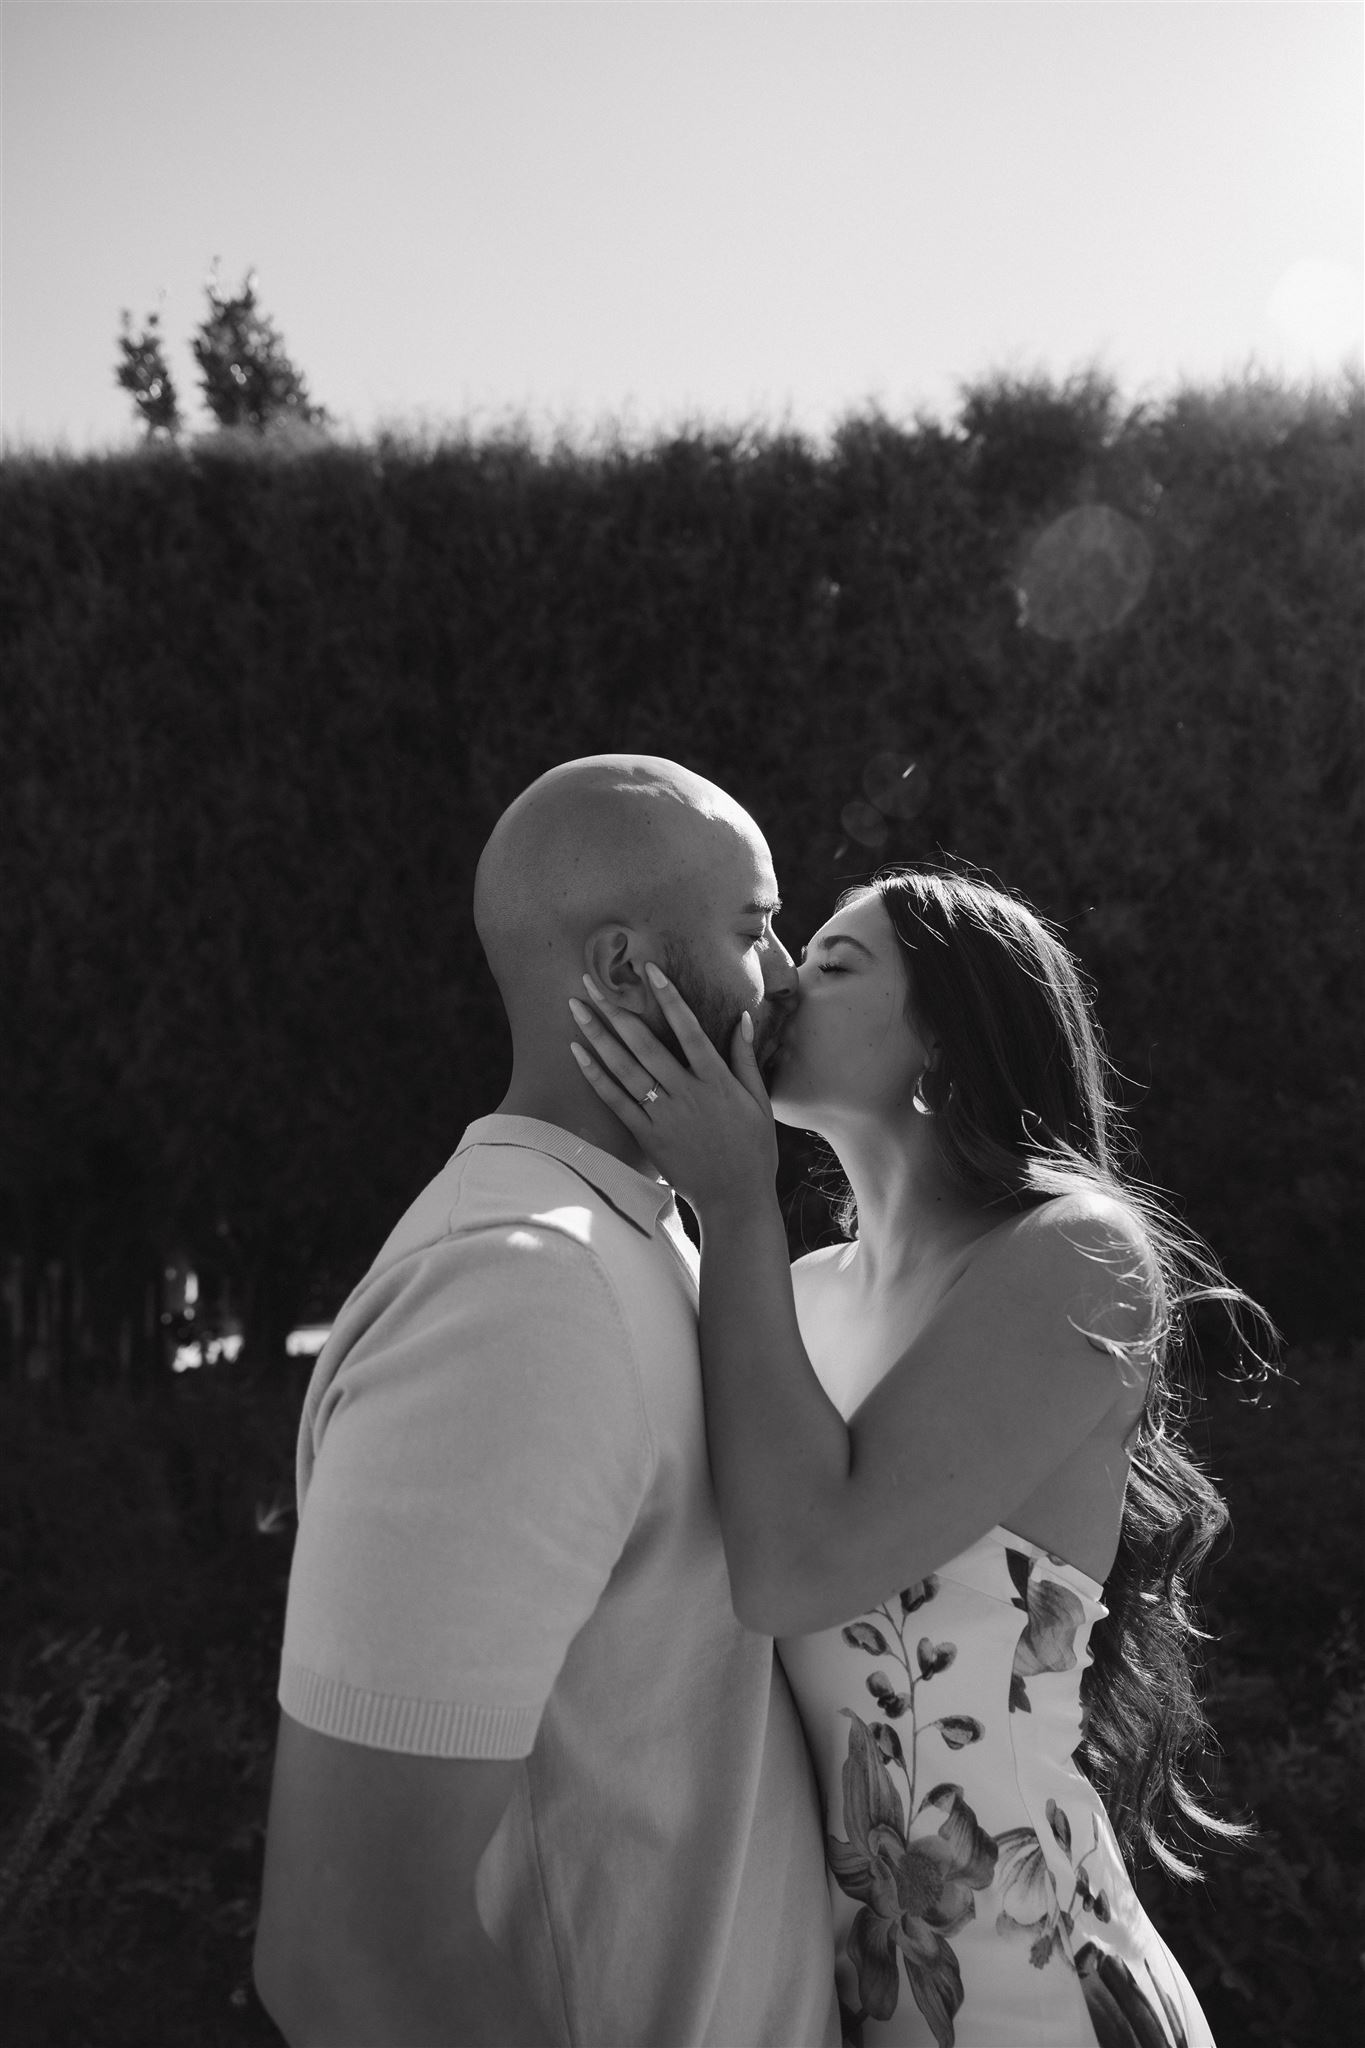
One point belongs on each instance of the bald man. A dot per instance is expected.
(534, 1783)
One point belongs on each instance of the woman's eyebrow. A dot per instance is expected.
(842, 939)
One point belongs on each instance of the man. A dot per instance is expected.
(534, 1783)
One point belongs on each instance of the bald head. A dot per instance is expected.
(603, 866)
(613, 839)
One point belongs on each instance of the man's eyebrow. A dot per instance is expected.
(768, 907)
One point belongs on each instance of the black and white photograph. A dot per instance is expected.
(682, 988)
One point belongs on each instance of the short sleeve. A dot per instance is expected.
(479, 1456)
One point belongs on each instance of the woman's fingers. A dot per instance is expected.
(744, 1066)
(633, 1053)
(620, 1062)
(619, 1100)
(700, 1055)
(638, 1037)
(695, 1044)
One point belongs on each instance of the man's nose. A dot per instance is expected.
(779, 972)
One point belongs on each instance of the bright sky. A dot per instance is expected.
(647, 211)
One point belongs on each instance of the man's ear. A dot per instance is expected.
(610, 956)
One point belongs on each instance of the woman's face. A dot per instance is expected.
(848, 1048)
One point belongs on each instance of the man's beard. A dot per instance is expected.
(716, 1011)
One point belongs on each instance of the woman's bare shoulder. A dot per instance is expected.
(1084, 1251)
(813, 1270)
(826, 1255)
(1088, 1221)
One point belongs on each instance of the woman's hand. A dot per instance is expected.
(706, 1125)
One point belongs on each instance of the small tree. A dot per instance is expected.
(247, 377)
(144, 372)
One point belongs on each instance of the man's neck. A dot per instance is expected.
(573, 1107)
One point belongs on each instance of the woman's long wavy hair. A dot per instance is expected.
(1022, 1111)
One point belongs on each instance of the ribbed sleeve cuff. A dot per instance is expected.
(380, 1720)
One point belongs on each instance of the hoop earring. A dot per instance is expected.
(917, 1099)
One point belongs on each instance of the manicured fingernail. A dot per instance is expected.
(581, 1013)
(656, 975)
(593, 990)
(576, 1049)
(746, 1028)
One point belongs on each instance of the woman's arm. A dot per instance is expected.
(1009, 1377)
(781, 1453)
(821, 1519)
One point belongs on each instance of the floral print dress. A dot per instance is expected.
(980, 1900)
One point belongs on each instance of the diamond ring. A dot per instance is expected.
(652, 1096)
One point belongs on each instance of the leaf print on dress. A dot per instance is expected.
(958, 1730)
(1091, 1901)
(1055, 1617)
(933, 1657)
(912, 1893)
(914, 1596)
(892, 1703)
(873, 1633)
(861, 1635)
(1118, 2008)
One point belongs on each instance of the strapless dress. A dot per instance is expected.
(980, 1898)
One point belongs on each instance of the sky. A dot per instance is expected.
(642, 214)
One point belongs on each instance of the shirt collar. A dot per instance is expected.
(644, 1202)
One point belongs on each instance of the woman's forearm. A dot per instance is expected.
(779, 1448)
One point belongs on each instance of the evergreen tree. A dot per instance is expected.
(144, 372)
(247, 377)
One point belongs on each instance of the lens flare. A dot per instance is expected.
(1084, 574)
(864, 823)
(895, 785)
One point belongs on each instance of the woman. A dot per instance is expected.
(940, 1448)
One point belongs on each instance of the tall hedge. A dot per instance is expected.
(262, 700)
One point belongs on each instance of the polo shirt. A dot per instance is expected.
(508, 1548)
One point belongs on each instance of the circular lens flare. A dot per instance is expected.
(895, 785)
(864, 823)
(1083, 574)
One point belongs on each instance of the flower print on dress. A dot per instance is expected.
(1092, 1901)
(913, 1892)
(1031, 1904)
(963, 1912)
(1055, 1618)
(1029, 1901)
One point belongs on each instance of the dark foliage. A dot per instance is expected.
(1270, 1938)
(263, 702)
(245, 372)
(147, 1541)
(143, 372)
(144, 1545)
